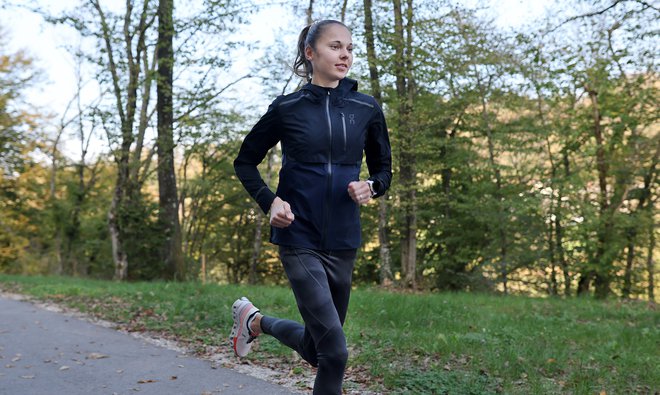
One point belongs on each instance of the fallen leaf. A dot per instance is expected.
(120, 371)
(551, 360)
(96, 355)
(603, 393)
(146, 381)
(9, 366)
(16, 358)
(31, 376)
(64, 367)
(173, 378)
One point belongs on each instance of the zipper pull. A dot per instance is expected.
(343, 125)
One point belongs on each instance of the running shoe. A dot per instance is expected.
(243, 312)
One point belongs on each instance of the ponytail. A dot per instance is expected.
(301, 66)
(308, 37)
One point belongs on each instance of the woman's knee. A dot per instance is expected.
(333, 347)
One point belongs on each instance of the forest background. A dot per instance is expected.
(525, 159)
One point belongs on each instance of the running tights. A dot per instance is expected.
(321, 283)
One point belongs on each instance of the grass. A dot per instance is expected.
(409, 343)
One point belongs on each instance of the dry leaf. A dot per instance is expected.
(31, 376)
(64, 367)
(96, 355)
(146, 381)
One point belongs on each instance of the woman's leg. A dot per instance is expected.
(321, 284)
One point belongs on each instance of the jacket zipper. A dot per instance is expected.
(327, 113)
(326, 206)
(343, 124)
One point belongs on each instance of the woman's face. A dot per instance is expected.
(333, 56)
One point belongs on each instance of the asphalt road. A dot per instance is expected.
(48, 353)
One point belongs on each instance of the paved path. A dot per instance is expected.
(47, 353)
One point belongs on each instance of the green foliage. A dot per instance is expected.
(507, 182)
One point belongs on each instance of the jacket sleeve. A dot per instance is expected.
(379, 153)
(263, 136)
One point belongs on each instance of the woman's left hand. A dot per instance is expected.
(359, 191)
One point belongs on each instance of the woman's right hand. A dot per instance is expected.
(281, 215)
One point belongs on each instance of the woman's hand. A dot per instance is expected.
(359, 191)
(281, 215)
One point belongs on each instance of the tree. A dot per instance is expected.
(18, 123)
(383, 229)
(167, 188)
(406, 91)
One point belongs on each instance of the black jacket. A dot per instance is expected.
(323, 133)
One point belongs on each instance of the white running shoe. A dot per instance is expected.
(243, 312)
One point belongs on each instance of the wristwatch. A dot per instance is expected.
(371, 188)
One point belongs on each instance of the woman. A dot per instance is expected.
(324, 128)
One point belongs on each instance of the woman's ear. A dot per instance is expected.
(309, 53)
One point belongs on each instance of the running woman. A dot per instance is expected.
(324, 129)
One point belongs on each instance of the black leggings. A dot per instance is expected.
(321, 283)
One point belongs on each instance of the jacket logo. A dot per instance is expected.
(351, 119)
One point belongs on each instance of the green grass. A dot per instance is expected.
(410, 343)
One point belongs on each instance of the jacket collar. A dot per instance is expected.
(345, 86)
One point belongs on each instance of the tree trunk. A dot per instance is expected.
(650, 263)
(123, 192)
(407, 173)
(552, 258)
(59, 269)
(501, 215)
(383, 230)
(603, 273)
(343, 11)
(258, 228)
(559, 230)
(310, 12)
(119, 256)
(555, 250)
(630, 258)
(167, 190)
